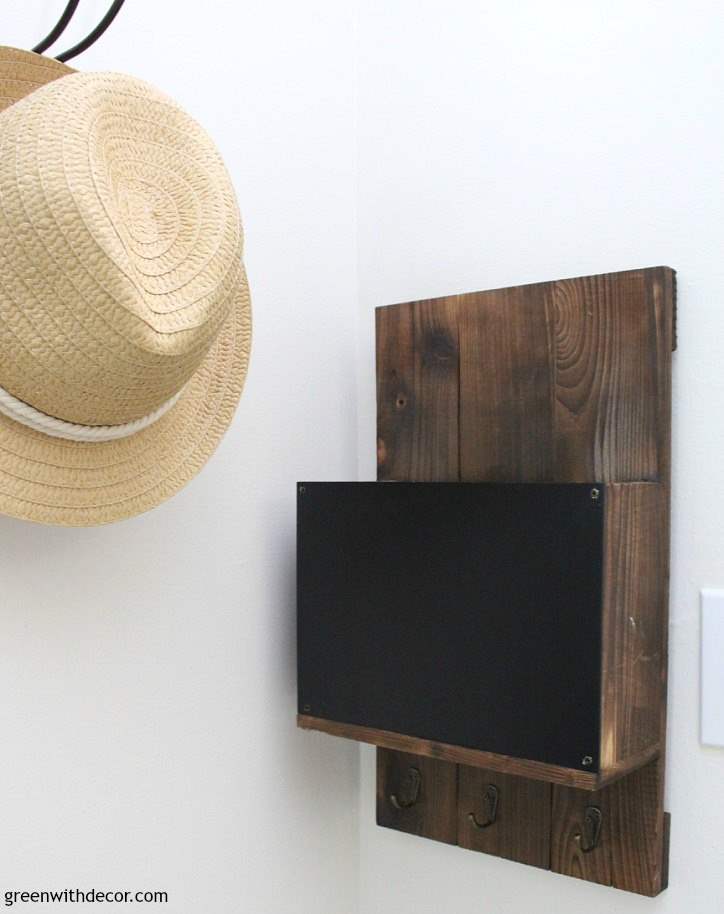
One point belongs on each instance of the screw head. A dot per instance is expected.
(595, 494)
(302, 490)
(587, 761)
(307, 709)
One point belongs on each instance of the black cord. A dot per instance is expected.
(93, 36)
(58, 28)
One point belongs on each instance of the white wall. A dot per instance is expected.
(502, 143)
(147, 673)
(147, 682)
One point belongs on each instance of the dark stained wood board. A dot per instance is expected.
(520, 803)
(634, 621)
(417, 388)
(633, 852)
(567, 828)
(505, 764)
(567, 381)
(433, 811)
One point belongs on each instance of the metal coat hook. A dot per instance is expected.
(414, 782)
(592, 823)
(59, 27)
(491, 799)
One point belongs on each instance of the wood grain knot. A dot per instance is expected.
(439, 350)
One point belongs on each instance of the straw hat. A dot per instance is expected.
(125, 322)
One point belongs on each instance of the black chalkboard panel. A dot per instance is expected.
(464, 613)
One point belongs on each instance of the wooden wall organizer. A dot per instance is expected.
(566, 381)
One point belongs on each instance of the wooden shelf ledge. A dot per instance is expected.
(476, 758)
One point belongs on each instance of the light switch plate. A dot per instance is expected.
(712, 667)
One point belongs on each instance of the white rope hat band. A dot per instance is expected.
(27, 415)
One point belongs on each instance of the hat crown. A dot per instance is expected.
(120, 248)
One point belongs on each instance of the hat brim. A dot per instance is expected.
(78, 484)
(22, 72)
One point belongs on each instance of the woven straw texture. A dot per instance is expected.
(121, 281)
(22, 72)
